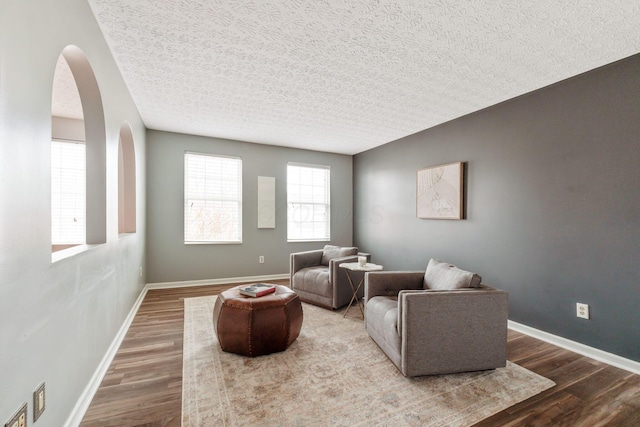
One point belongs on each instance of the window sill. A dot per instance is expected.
(71, 252)
(212, 243)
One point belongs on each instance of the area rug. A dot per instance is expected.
(332, 375)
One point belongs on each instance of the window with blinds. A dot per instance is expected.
(68, 193)
(212, 199)
(308, 203)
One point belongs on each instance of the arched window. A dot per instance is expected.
(126, 181)
(78, 156)
(68, 162)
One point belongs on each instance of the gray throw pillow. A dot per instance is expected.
(442, 275)
(330, 252)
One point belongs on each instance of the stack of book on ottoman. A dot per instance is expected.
(257, 290)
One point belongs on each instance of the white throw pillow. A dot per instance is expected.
(442, 275)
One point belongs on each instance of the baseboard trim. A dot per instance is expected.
(75, 418)
(85, 399)
(576, 347)
(81, 406)
(225, 281)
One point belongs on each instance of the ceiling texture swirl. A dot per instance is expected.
(345, 76)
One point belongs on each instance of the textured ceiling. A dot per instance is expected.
(348, 75)
(65, 99)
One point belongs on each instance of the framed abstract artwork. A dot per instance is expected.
(439, 192)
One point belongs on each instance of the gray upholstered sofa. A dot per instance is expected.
(438, 322)
(317, 278)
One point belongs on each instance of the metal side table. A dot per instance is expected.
(351, 268)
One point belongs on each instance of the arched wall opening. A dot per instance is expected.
(126, 181)
(81, 124)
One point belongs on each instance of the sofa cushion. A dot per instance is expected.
(382, 324)
(314, 280)
(442, 275)
(330, 252)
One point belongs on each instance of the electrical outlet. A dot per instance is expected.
(582, 310)
(261, 259)
(38, 402)
(140, 271)
(19, 419)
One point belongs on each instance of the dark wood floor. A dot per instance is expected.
(143, 386)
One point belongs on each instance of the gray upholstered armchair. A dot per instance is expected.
(430, 324)
(317, 278)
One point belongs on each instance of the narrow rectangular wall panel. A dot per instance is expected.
(266, 202)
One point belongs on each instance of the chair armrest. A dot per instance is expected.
(404, 294)
(476, 316)
(300, 260)
(338, 277)
(390, 283)
(334, 264)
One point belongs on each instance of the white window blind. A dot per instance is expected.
(212, 199)
(68, 193)
(308, 202)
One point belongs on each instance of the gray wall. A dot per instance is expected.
(170, 260)
(553, 204)
(56, 320)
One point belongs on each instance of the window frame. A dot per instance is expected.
(327, 204)
(60, 170)
(239, 200)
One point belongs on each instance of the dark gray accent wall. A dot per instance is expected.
(170, 260)
(553, 204)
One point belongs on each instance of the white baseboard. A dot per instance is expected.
(225, 281)
(576, 347)
(90, 390)
(84, 401)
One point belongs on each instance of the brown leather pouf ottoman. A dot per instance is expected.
(257, 326)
